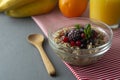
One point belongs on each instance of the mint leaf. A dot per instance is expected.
(87, 31)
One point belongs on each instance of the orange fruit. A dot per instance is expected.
(72, 8)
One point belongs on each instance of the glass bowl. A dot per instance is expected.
(81, 57)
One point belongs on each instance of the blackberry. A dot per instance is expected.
(94, 34)
(84, 41)
(74, 35)
(92, 41)
(83, 46)
(81, 29)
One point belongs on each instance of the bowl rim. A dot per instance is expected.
(109, 42)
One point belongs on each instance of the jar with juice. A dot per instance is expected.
(107, 11)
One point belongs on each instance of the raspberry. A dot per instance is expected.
(82, 35)
(65, 39)
(72, 43)
(78, 43)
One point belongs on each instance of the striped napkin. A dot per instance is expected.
(108, 68)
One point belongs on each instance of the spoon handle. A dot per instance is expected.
(50, 68)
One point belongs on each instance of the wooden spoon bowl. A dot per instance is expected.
(37, 40)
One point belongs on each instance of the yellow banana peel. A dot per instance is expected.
(11, 4)
(35, 8)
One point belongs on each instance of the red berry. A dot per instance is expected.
(72, 43)
(94, 34)
(82, 35)
(65, 39)
(78, 43)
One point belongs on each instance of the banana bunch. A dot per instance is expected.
(25, 8)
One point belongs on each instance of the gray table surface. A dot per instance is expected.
(19, 60)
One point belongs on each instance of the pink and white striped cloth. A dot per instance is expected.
(108, 68)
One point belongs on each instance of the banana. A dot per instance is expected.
(35, 8)
(8, 4)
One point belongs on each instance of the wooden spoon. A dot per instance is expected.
(37, 40)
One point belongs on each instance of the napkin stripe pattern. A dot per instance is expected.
(108, 68)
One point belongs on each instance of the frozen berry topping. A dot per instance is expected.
(80, 36)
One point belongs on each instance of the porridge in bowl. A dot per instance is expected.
(80, 44)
